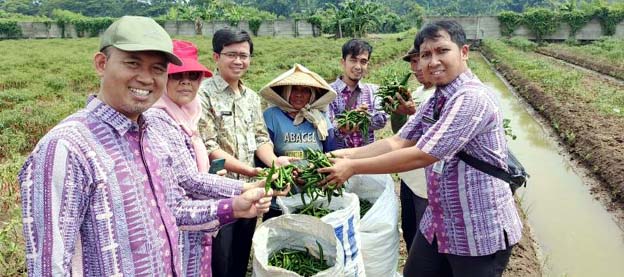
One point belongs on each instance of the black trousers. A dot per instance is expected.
(412, 209)
(424, 260)
(231, 248)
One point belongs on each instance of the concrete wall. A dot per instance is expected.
(283, 28)
(481, 27)
(476, 28)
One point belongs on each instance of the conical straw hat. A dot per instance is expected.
(298, 76)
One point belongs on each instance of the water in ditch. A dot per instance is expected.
(576, 234)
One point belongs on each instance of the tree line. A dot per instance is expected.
(340, 17)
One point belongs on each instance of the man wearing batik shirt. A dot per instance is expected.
(471, 223)
(96, 187)
(355, 95)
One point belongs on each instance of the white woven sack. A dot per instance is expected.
(295, 232)
(379, 227)
(345, 220)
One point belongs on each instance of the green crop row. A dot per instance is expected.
(607, 53)
(558, 80)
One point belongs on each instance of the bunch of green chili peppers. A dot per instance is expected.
(353, 118)
(388, 90)
(284, 176)
(300, 262)
(309, 178)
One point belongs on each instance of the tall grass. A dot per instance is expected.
(43, 81)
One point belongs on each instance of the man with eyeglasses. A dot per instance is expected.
(355, 95)
(233, 129)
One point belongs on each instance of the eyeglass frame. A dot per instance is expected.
(234, 55)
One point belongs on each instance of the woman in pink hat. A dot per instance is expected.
(176, 115)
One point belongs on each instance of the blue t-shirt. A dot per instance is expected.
(291, 140)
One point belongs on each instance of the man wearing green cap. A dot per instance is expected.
(96, 189)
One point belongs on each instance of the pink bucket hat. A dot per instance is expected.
(187, 52)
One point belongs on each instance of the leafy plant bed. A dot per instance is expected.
(586, 111)
(604, 65)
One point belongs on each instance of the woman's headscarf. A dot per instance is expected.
(187, 116)
(278, 91)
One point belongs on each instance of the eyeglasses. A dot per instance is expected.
(190, 75)
(234, 55)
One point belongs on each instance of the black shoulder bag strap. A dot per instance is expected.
(472, 161)
(484, 167)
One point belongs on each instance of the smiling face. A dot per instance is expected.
(183, 90)
(354, 68)
(441, 60)
(299, 96)
(233, 61)
(131, 81)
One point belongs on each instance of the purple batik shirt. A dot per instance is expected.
(95, 195)
(196, 245)
(338, 106)
(469, 211)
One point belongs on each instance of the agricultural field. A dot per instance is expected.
(586, 111)
(605, 56)
(43, 81)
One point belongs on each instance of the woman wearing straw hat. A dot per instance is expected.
(298, 118)
(177, 112)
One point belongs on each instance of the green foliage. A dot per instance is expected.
(576, 19)
(355, 18)
(415, 16)
(12, 259)
(541, 22)
(507, 128)
(522, 44)
(220, 11)
(10, 29)
(93, 26)
(64, 18)
(609, 17)
(509, 22)
(4, 15)
(254, 25)
(85, 26)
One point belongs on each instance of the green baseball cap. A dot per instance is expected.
(137, 33)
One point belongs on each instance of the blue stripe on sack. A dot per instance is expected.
(338, 230)
(351, 236)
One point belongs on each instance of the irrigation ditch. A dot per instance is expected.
(573, 201)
